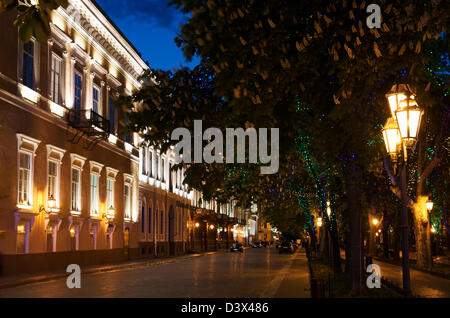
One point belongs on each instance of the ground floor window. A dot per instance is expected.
(126, 238)
(22, 240)
(50, 238)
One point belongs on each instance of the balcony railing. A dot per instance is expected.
(87, 124)
(87, 118)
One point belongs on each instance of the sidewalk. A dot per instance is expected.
(25, 279)
(422, 284)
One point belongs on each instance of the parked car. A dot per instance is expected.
(286, 247)
(236, 247)
(257, 245)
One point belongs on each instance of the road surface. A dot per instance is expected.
(260, 272)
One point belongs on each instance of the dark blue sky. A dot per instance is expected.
(152, 27)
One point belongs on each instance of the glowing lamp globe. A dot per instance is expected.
(408, 117)
(391, 136)
(51, 203)
(397, 94)
(429, 205)
(111, 212)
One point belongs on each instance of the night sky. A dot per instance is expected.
(152, 27)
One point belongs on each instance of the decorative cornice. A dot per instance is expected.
(104, 36)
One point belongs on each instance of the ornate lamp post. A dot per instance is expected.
(400, 133)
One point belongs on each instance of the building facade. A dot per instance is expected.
(70, 179)
(76, 188)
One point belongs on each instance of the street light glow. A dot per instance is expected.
(429, 205)
(319, 222)
(391, 136)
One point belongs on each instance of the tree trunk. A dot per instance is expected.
(422, 233)
(348, 257)
(397, 240)
(336, 250)
(354, 203)
(385, 242)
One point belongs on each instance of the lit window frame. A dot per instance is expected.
(27, 145)
(55, 155)
(77, 162)
(94, 201)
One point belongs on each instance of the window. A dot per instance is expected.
(77, 164)
(95, 169)
(94, 194)
(158, 176)
(150, 224)
(143, 219)
(76, 190)
(162, 222)
(51, 239)
(77, 93)
(111, 115)
(127, 201)
(127, 134)
(144, 161)
(54, 159)
(96, 99)
(109, 193)
(22, 239)
(163, 176)
(25, 187)
(110, 183)
(52, 179)
(56, 79)
(28, 64)
(150, 163)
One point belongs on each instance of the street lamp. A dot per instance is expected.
(51, 203)
(407, 115)
(111, 212)
(375, 221)
(396, 95)
(392, 139)
(429, 205)
(319, 222)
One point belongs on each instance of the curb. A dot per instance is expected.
(439, 275)
(111, 268)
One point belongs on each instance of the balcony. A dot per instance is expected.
(88, 124)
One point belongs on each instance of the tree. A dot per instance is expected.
(33, 16)
(259, 56)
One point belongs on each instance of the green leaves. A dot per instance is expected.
(32, 19)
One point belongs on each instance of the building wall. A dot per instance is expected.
(32, 236)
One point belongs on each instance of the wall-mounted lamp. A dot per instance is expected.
(51, 203)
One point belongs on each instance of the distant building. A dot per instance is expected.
(264, 230)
